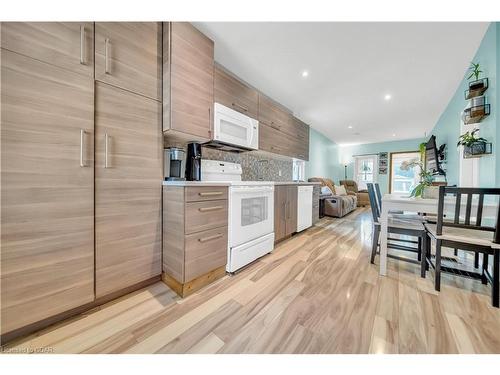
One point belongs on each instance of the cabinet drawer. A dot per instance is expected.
(234, 94)
(202, 216)
(205, 251)
(205, 193)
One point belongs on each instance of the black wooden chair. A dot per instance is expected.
(460, 232)
(401, 225)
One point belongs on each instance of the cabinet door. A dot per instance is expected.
(128, 55)
(234, 94)
(280, 198)
(271, 114)
(68, 45)
(127, 189)
(191, 81)
(291, 209)
(47, 190)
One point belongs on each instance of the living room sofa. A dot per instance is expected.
(335, 205)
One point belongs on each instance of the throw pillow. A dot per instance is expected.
(340, 190)
(326, 190)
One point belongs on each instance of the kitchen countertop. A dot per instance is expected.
(296, 183)
(209, 183)
(194, 183)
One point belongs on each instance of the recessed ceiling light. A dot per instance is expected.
(394, 135)
(305, 73)
(350, 127)
(388, 97)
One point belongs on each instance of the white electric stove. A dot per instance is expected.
(251, 213)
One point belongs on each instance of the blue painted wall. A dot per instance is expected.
(346, 154)
(323, 156)
(497, 107)
(447, 129)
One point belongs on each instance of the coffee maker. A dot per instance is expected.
(193, 164)
(174, 164)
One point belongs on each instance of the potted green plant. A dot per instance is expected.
(424, 188)
(472, 145)
(476, 71)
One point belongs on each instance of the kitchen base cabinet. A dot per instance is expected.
(47, 191)
(285, 211)
(194, 236)
(128, 169)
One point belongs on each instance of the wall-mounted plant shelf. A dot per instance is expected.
(475, 114)
(477, 150)
(476, 88)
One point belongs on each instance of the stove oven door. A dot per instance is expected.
(251, 213)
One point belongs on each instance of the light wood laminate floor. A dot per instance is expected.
(316, 293)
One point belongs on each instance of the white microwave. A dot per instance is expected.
(234, 130)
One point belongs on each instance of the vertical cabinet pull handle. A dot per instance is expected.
(106, 56)
(82, 148)
(82, 44)
(106, 139)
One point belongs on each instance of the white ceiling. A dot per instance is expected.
(352, 66)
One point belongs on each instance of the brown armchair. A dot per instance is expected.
(335, 205)
(362, 195)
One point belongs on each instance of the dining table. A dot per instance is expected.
(429, 206)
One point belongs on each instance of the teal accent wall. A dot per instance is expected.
(323, 156)
(447, 129)
(346, 154)
(497, 107)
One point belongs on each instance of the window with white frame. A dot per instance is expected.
(365, 170)
(299, 170)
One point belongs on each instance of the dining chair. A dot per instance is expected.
(466, 232)
(397, 224)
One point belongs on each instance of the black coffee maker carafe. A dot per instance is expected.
(193, 162)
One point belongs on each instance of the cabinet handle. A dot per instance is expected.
(210, 193)
(245, 109)
(82, 136)
(207, 209)
(82, 44)
(106, 139)
(106, 52)
(275, 127)
(210, 238)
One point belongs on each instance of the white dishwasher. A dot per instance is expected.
(304, 207)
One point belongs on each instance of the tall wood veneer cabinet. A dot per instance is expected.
(47, 187)
(128, 55)
(188, 82)
(285, 211)
(194, 236)
(128, 172)
(68, 45)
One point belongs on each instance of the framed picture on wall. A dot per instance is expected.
(383, 160)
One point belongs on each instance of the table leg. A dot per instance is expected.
(383, 239)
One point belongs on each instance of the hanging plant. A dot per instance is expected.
(469, 138)
(475, 71)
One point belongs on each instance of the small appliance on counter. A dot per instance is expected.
(193, 164)
(174, 164)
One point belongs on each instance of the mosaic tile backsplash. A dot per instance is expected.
(256, 165)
